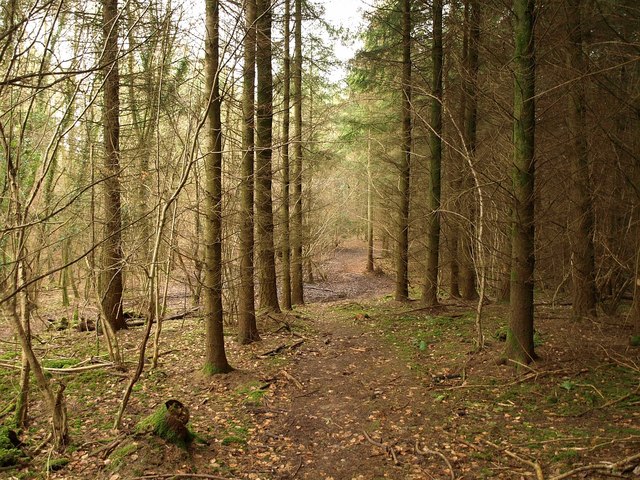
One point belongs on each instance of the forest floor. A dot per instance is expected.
(355, 386)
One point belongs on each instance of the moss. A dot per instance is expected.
(9, 453)
(236, 434)
(231, 439)
(59, 362)
(9, 456)
(635, 341)
(210, 369)
(119, 454)
(56, 464)
(164, 424)
(252, 393)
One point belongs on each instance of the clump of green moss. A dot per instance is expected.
(169, 422)
(56, 464)
(9, 452)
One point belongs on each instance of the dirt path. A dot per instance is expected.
(350, 387)
(346, 278)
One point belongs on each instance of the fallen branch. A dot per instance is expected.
(609, 403)
(179, 475)
(535, 465)
(280, 348)
(177, 316)
(605, 467)
(84, 368)
(388, 449)
(106, 450)
(426, 451)
(293, 379)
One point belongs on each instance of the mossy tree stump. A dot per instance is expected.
(169, 422)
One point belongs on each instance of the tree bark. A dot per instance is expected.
(430, 287)
(297, 278)
(286, 100)
(581, 222)
(370, 265)
(112, 282)
(402, 253)
(215, 356)
(635, 306)
(467, 267)
(264, 204)
(519, 345)
(247, 328)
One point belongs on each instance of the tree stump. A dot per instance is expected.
(169, 422)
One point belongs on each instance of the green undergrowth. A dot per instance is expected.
(418, 338)
(119, 456)
(235, 434)
(252, 393)
(9, 453)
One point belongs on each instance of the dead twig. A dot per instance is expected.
(388, 449)
(605, 467)
(610, 403)
(106, 450)
(293, 379)
(297, 469)
(179, 475)
(281, 348)
(427, 451)
(84, 368)
(535, 465)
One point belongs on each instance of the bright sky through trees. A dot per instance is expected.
(347, 14)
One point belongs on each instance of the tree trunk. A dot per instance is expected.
(370, 265)
(519, 345)
(430, 287)
(297, 278)
(264, 205)
(22, 402)
(215, 356)
(111, 286)
(247, 328)
(635, 307)
(402, 253)
(581, 222)
(468, 270)
(286, 100)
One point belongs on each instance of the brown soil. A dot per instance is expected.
(345, 277)
(356, 384)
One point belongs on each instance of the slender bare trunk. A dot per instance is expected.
(286, 100)
(402, 253)
(215, 356)
(111, 285)
(247, 329)
(370, 265)
(581, 221)
(430, 287)
(468, 252)
(519, 345)
(264, 131)
(297, 278)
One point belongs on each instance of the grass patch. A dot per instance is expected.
(59, 362)
(252, 393)
(236, 434)
(119, 454)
